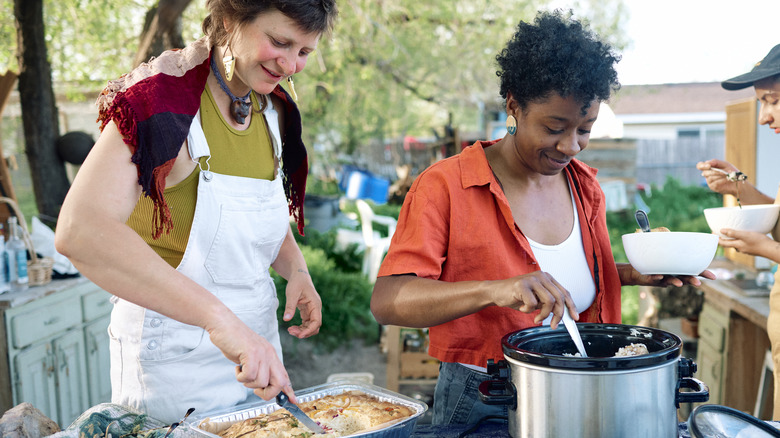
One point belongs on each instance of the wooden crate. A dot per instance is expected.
(407, 367)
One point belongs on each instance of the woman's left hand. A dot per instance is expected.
(748, 242)
(630, 276)
(300, 294)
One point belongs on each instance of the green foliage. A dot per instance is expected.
(677, 207)
(401, 67)
(320, 185)
(681, 208)
(90, 41)
(392, 210)
(390, 68)
(347, 260)
(345, 292)
(629, 304)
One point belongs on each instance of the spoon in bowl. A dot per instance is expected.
(642, 220)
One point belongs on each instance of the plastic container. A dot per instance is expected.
(362, 184)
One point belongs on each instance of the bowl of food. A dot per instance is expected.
(759, 217)
(670, 253)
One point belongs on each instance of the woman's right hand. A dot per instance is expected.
(718, 181)
(258, 366)
(537, 290)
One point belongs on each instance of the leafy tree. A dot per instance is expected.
(81, 46)
(162, 29)
(391, 68)
(39, 111)
(398, 67)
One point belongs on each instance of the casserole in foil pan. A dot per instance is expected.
(210, 423)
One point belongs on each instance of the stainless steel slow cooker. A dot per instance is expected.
(551, 393)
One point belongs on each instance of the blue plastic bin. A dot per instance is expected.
(362, 184)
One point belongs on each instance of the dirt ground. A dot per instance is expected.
(308, 367)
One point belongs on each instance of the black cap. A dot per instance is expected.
(766, 68)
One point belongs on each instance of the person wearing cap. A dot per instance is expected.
(765, 79)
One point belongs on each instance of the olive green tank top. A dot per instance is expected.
(247, 153)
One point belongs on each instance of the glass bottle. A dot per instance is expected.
(16, 253)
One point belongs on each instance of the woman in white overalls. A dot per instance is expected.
(184, 203)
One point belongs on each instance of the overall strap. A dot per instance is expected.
(196, 140)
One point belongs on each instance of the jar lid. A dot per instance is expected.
(555, 349)
(720, 421)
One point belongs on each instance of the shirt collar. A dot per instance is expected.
(476, 171)
(474, 166)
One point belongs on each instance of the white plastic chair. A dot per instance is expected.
(375, 244)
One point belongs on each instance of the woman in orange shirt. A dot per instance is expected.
(511, 232)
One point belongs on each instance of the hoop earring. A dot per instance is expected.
(292, 88)
(229, 62)
(511, 125)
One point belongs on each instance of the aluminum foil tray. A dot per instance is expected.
(402, 429)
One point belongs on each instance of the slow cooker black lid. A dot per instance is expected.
(714, 421)
(546, 347)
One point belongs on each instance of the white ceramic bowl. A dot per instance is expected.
(760, 218)
(670, 253)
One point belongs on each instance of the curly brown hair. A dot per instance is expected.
(310, 15)
(556, 54)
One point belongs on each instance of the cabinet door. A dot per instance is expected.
(71, 370)
(98, 361)
(35, 381)
(710, 364)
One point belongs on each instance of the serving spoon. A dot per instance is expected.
(642, 220)
(731, 176)
(571, 326)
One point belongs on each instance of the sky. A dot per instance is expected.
(677, 41)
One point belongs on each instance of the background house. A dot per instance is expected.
(675, 126)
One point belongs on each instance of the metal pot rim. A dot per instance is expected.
(532, 345)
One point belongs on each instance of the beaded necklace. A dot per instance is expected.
(240, 106)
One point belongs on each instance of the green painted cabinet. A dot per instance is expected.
(57, 345)
(98, 361)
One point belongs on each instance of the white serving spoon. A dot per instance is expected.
(571, 326)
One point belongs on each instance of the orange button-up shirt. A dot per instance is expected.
(456, 225)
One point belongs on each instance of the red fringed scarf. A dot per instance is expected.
(153, 107)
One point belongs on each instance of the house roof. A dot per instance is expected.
(699, 97)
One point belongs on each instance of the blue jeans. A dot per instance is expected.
(456, 398)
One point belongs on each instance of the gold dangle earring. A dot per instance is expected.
(292, 88)
(229, 62)
(511, 125)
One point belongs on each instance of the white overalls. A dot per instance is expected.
(162, 366)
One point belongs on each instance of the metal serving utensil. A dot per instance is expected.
(571, 326)
(284, 401)
(642, 220)
(731, 176)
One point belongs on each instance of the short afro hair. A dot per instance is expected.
(556, 54)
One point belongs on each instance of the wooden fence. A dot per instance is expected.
(644, 161)
(657, 159)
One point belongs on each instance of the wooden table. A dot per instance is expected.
(743, 318)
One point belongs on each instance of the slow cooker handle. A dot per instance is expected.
(498, 392)
(700, 394)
